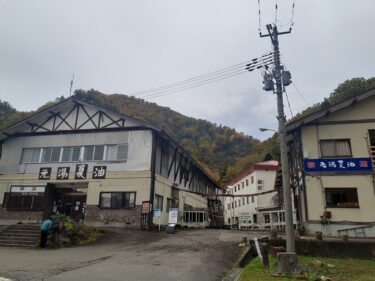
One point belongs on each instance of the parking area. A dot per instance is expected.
(130, 255)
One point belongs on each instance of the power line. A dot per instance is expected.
(287, 98)
(299, 92)
(292, 17)
(184, 88)
(250, 67)
(260, 18)
(196, 78)
(275, 11)
(208, 78)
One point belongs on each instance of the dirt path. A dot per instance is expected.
(197, 255)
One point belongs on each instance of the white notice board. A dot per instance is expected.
(173, 216)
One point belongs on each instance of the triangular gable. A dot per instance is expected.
(72, 114)
(324, 113)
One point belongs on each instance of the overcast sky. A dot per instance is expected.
(129, 46)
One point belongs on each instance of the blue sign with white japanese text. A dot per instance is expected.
(337, 164)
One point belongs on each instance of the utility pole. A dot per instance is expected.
(282, 79)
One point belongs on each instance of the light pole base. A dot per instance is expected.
(287, 263)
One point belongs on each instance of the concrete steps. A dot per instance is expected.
(20, 235)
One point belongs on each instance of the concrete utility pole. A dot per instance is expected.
(282, 78)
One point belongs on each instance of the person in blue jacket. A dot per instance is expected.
(44, 228)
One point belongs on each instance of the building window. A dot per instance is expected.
(159, 202)
(248, 200)
(22, 202)
(232, 205)
(122, 152)
(252, 179)
(239, 202)
(243, 185)
(46, 154)
(93, 152)
(335, 148)
(247, 182)
(260, 184)
(342, 197)
(165, 159)
(252, 199)
(117, 200)
(235, 188)
(76, 153)
(99, 152)
(30, 155)
(171, 204)
(243, 201)
(55, 155)
(267, 218)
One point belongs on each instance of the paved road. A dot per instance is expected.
(197, 255)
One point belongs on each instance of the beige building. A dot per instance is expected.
(332, 155)
(102, 168)
(255, 202)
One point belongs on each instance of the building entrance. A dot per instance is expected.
(68, 200)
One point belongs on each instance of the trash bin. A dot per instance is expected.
(170, 229)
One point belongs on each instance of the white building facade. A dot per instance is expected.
(252, 201)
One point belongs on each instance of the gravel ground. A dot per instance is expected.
(197, 255)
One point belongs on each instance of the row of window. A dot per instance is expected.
(117, 200)
(22, 202)
(75, 153)
(238, 187)
(241, 200)
(159, 203)
(335, 198)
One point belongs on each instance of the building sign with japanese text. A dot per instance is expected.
(62, 173)
(81, 172)
(27, 189)
(99, 172)
(45, 173)
(337, 164)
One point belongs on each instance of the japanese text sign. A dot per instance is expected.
(337, 164)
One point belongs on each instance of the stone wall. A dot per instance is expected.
(351, 249)
(130, 218)
(11, 217)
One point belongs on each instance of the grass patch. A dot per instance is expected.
(345, 269)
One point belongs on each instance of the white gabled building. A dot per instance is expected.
(101, 167)
(255, 211)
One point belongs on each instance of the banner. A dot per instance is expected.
(337, 164)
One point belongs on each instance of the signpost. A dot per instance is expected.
(157, 214)
(173, 216)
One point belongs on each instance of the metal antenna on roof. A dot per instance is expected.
(71, 85)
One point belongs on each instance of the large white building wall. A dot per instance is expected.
(249, 185)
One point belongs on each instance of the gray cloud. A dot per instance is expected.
(129, 46)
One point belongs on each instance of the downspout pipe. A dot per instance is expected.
(152, 181)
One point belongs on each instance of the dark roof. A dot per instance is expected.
(308, 119)
(262, 166)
